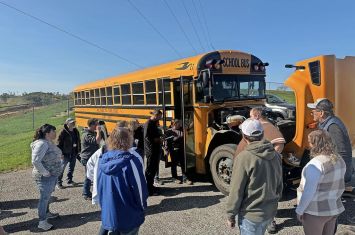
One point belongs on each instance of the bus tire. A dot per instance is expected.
(221, 165)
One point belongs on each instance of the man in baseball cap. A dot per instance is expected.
(322, 111)
(257, 165)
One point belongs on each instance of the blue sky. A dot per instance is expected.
(36, 57)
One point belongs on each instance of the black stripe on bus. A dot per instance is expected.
(119, 115)
(103, 119)
(125, 107)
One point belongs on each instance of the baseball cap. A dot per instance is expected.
(69, 120)
(321, 104)
(252, 127)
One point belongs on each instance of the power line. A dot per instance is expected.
(155, 29)
(199, 21)
(72, 35)
(181, 28)
(206, 25)
(192, 23)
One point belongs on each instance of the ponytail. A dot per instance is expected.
(42, 131)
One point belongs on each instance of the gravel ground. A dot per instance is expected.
(181, 209)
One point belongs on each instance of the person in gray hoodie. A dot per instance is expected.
(46, 161)
(256, 184)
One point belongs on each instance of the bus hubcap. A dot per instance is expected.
(225, 166)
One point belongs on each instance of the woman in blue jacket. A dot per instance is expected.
(122, 187)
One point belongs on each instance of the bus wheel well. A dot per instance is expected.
(220, 138)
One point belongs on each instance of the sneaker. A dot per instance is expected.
(59, 186)
(44, 225)
(51, 215)
(158, 182)
(348, 193)
(154, 191)
(271, 228)
(292, 160)
(87, 197)
(188, 182)
(177, 181)
(71, 182)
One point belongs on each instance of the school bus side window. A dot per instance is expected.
(167, 90)
(103, 96)
(150, 92)
(126, 94)
(82, 99)
(92, 95)
(97, 97)
(87, 97)
(116, 95)
(138, 93)
(109, 95)
(75, 98)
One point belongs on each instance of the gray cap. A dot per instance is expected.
(321, 104)
(69, 120)
(156, 112)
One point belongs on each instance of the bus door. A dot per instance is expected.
(184, 111)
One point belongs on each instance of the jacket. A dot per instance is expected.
(65, 141)
(256, 184)
(88, 144)
(122, 191)
(45, 158)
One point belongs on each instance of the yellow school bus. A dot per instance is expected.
(205, 91)
(321, 77)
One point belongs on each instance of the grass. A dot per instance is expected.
(17, 133)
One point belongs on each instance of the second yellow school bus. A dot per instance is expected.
(205, 91)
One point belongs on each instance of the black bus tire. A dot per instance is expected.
(222, 156)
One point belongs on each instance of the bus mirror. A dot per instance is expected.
(205, 78)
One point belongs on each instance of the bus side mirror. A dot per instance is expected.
(205, 78)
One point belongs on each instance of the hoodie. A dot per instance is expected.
(122, 191)
(256, 184)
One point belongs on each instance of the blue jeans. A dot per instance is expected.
(87, 181)
(103, 231)
(71, 160)
(248, 227)
(46, 186)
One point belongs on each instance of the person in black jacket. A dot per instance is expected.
(69, 143)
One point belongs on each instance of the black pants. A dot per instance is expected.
(177, 157)
(152, 168)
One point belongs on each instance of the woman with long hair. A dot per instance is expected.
(321, 186)
(46, 161)
(121, 186)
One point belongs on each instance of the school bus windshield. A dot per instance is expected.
(234, 87)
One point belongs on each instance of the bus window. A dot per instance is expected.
(87, 97)
(150, 92)
(138, 93)
(97, 97)
(92, 95)
(314, 69)
(103, 96)
(75, 98)
(82, 98)
(116, 95)
(167, 90)
(126, 94)
(109, 95)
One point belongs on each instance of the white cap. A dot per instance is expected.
(251, 127)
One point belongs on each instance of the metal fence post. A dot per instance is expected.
(68, 107)
(33, 116)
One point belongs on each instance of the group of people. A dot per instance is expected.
(256, 184)
(114, 166)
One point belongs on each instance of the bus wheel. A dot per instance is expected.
(221, 165)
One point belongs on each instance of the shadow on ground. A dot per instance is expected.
(27, 203)
(65, 221)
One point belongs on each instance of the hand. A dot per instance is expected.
(230, 223)
(98, 128)
(300, 218)
(62, 157)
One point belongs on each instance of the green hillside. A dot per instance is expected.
(17, 133)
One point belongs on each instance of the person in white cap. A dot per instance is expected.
(322, 111)
(69, 143)
(256, 184)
